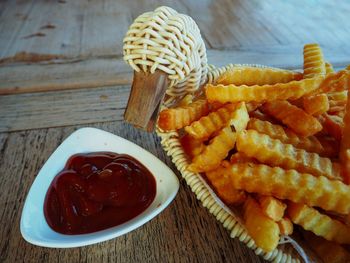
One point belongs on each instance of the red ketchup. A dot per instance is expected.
(96, 191)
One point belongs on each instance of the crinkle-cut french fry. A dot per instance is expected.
(224, 188)
(341, 218)
(236, 114)
(257, 76)
(337, 98)
(214, 106)
(289, 184)
(345, 160)
(217, 150)
(275, 153)
(280, 91)
(329, 68)
(337, 111)
(214, 121)
(316, 104)
(258, 114)
(177, 118)
(240, 117)
(272, 207)
(191, 146)
(340, 113)
(299, 102)
(333, 125)
(337, 106)
(293, 117)
(344, 153)
(275, 131)
(252, 106)
(314, 64)
(330, 146)
(328, 251)
(322, 225)
(333, 82)
(263, 230)
(186, 100)
(239, 157)
(286, 226)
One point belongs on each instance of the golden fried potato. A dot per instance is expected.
(314, 64)
(275, 131)
(252, 106)
(263, 230)
(240, 117)
(344, 153)
(272, 207)
(286, 226)
(316, 104)
(330, 146)
(337, 98)
(337, 103)
(217, 150)
(293, 117)
(275, 153)
(177, 118)
(338, 111)
(239, 157)
(322, 225)
(258, 114)
(224, 188)
(186, 100)
(333, 82)
(329, 68)
(329, 252)
(257, 76)
(191, 146)
(333, 125)
(236, 114)
(280, 91)
(292, 185)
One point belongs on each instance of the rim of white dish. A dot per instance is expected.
(69, 241)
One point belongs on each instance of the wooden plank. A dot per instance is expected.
(98, 27)
(183, 232)
(65, 74)
(111, 70)
(77, 27)
(62, 108)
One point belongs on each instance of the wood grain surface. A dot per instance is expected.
(62, 108)
(61, 68)
(96, 27)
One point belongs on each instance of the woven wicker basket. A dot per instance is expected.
(171, 42)
(288, 250)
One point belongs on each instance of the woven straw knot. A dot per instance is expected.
(171, 42)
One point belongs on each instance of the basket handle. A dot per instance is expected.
(146, 96)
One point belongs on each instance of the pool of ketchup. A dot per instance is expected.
(96, 191)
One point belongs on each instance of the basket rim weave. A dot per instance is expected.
(232, 222)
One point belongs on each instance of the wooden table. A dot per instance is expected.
(61, 68)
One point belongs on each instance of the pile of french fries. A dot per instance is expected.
(278, 143)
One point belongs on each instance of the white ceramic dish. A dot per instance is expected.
(34, 227)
